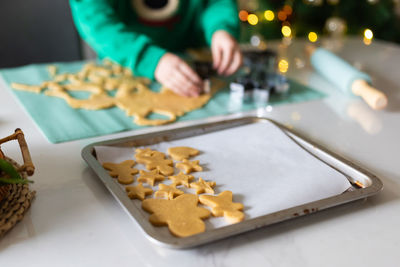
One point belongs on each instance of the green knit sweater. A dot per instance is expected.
(114, 30)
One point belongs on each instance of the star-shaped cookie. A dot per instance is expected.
(164, 166)
(123, 171)
(181, 179)
(222, 205)
(181, 214)
(189, 166)
(167, 191)
(202, 186)
(150, 177)
(182, 152)
(138, 192)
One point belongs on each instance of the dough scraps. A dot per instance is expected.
(132, 93)
(182, 215)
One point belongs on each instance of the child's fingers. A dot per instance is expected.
(172, 85)
(216, 52)
(227, 56)
(186, 84)
(236, 62)
(190, 73)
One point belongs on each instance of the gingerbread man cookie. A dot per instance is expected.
(222, 205)
(138, 192)
(150, 177)
(122, 171)
(167, 191)
(189, 166)
(181, 179)
(182, 152)
(182, 215)
(202, 186)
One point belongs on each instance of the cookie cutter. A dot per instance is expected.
(364, 183)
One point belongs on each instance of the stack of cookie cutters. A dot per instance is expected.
(364, 183)
(258, 79)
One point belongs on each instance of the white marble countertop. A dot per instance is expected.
(75, 221)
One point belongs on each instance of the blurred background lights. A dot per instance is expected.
(282, 15)
(243, 14)
(368, 34)
(269, 15)
(283, 65)
(252, 19)
(286, 31)
(313, 37)
(287, 9)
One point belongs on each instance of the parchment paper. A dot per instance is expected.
(264, 168)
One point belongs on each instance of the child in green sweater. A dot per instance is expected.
(144, 35)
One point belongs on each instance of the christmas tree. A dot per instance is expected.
(315, 18)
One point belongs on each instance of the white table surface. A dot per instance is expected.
(75, 221)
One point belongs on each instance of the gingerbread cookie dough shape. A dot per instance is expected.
(182, 215)
(142, 102)
(182, 152)
(189, 166)
(138, 192)
(123, 171)
(150, 177)
(202, 186)
(167, 191)
(222, 205)
(146, 155)
(155, 160)
(181, 179)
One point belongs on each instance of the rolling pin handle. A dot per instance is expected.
(374, 98)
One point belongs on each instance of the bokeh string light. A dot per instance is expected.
(269, 15)
(285, 14)
(252, 19)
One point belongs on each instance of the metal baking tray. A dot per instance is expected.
(364, 183)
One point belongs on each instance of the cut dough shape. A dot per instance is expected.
(202, 186)
(154, 159)
(164, 166)
(123, 171)
(222, 205)
(138, 192)
(147, 155)
(181, 179)
(189, 166)
(181, 214)
(182, 152)
(133, 95)
(150, 177)
(167, 191)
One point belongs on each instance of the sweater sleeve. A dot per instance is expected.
(220, 15)
(100, 26)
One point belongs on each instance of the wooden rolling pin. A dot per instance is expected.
(346, 77)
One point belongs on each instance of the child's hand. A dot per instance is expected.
(178, 76)
(227, 57)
